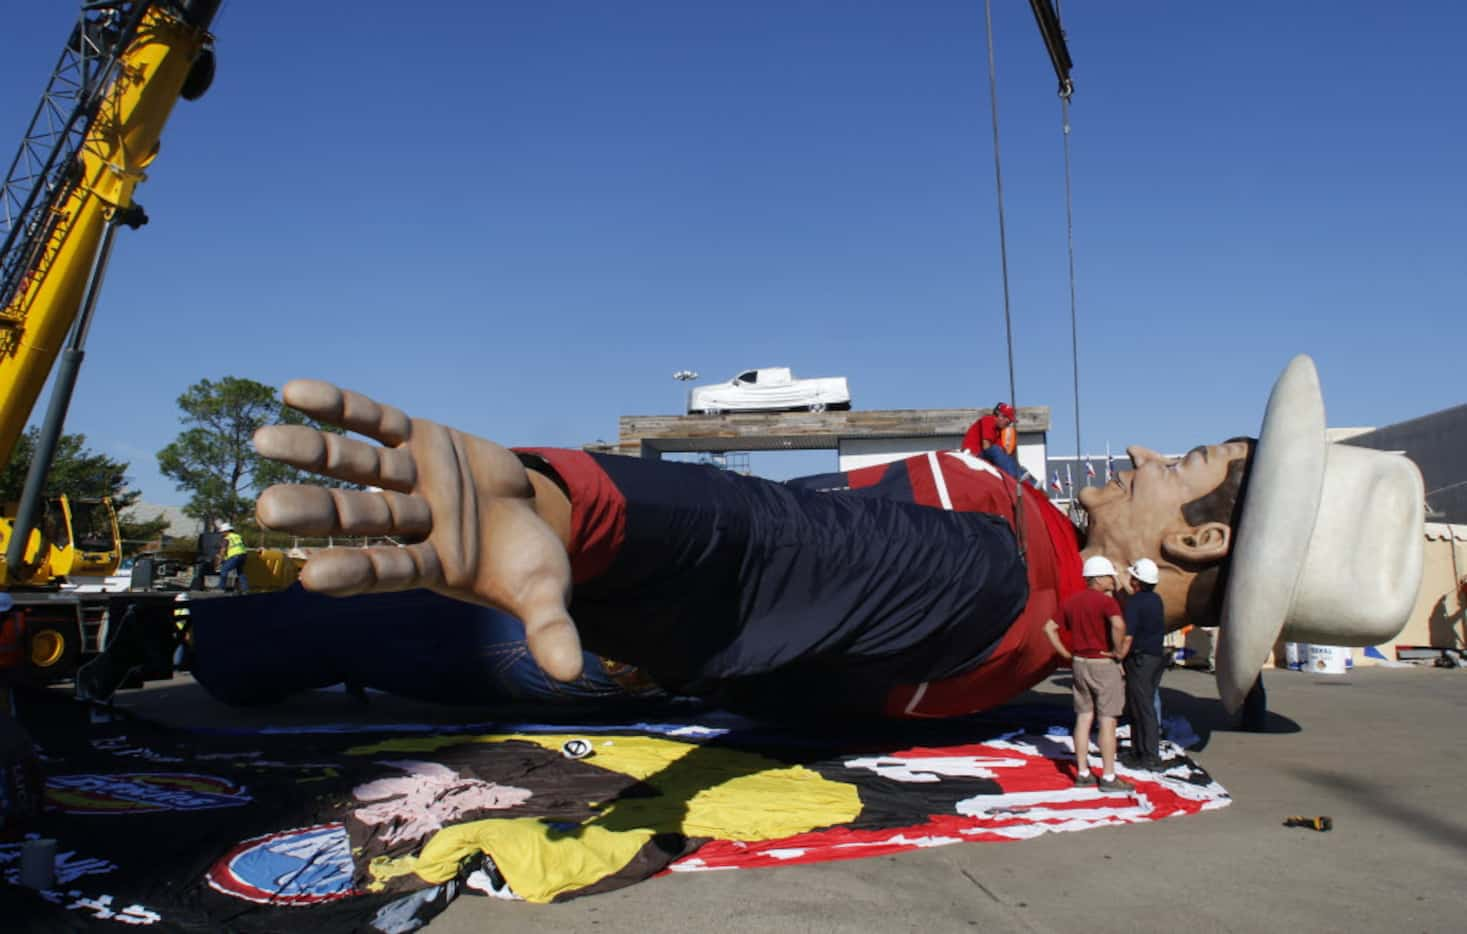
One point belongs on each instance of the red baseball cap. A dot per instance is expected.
(1006, 410)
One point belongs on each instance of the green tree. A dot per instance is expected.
(214, 459)
(79, 473)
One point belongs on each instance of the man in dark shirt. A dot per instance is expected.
(1094, 640)
(1146, 625)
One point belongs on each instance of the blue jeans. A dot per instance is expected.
(236, 564)
(415, 644)
(1003, 460)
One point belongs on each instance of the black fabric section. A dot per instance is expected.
(895, 484)
(1145, 622)
(562, 787)
(154, 808)
(161, 808)
(746, 589)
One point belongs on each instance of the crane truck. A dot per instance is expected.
(66, 194)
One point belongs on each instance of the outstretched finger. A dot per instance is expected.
(342, 572)
(314, 510)
(347, 409)
(335, 456)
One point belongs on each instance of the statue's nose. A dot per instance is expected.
(1140, 455)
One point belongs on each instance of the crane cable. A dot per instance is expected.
(1067, 90)
(1003, 253)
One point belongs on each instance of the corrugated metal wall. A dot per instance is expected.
(1438, 444)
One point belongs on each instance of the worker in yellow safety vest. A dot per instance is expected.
(233, 551)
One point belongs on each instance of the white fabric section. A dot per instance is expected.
(694, 864)
(931, 769)
(974, 463)
(919, 842)
(940, 481)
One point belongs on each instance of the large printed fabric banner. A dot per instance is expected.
(340, 830)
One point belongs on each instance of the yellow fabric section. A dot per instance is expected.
(387, 868)
(537, 862)
(706, 791)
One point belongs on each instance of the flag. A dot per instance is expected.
(1055, 483)
(1110, 465)
(1089, 468)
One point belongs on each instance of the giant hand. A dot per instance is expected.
(478, 522)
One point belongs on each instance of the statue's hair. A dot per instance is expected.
(1224, 503)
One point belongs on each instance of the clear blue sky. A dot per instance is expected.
(521, 217)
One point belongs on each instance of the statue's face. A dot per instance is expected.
(1139, 515)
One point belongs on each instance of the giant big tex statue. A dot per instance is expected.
(919, 588)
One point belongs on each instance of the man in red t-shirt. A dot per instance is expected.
(988, 430)
(989, 438)
(1095, 641)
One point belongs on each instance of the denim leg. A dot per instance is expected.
(1002, 459)
(235, 564)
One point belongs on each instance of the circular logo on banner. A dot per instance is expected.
(141, 792)
(305, 866)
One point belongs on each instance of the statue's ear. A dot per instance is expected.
(1198, 545)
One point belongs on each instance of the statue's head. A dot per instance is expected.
(1326, 548)
(1181, 513)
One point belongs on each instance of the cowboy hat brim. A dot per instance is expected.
(1284, 489)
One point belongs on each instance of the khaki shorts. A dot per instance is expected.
(1099, 686)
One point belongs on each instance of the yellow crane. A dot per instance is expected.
(66, 194)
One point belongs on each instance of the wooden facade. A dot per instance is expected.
(654, 435)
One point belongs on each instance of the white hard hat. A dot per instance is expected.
(1099, 566)
(226, 527)
(1144, 570)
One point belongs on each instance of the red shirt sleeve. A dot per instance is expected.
(598, 511)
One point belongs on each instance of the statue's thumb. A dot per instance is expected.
(555, 645)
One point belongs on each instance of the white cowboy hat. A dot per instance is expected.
(1329, 546)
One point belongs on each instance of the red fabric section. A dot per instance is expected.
(1037, 796)
(1023, 657)
(923, 483)
(1085, 622)
(866, 476)
(598, 511)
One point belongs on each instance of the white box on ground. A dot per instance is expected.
(1328, 659)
